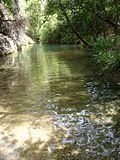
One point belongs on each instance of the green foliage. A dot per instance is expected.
(9, 3)
(59, 33)
(103, 44)
(106, 52)
(89, 17)
(34, 18)
(97, 21)
(48, 34)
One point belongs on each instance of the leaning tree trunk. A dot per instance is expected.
(72, 27)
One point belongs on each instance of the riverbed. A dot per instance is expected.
(55, 105)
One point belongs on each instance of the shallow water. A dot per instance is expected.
(54, 105)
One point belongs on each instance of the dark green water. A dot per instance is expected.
(55, 106)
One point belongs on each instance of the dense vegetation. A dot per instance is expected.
(94, 24)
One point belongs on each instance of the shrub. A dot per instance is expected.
(106, 52)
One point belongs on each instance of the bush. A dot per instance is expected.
(59, 33)
(106, 52)
(103, 44)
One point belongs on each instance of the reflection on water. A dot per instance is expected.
(54, 105)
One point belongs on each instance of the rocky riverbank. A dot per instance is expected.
(12, 31)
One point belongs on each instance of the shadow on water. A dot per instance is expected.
(55, 105)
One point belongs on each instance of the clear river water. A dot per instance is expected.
(54, 105)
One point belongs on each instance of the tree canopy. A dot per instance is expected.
(94, 23)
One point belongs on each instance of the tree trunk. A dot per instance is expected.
(72, 27)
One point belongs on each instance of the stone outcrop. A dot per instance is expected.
(7, 45)
(12, 30)
(8, 35)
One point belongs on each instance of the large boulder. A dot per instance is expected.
(7, 45)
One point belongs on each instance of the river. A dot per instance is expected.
(54, 105)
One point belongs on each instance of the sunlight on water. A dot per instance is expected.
(16, 136)
(54, 105)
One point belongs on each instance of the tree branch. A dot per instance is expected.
(72, 27)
